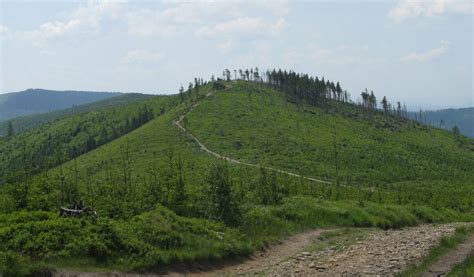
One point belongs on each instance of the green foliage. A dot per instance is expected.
(146, 241)
(447, 243)
(13, 264)
(223, 206)
(52, 144)
(300, 138)
(161, 199)
(267, 187)
(10, 129)
(466, 268)
(25, 123)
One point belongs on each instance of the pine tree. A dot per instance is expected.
(223, 206)
(180, 190)
(456, 132)
(10, 130)
(385, 105)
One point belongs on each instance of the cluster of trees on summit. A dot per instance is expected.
(317, 91)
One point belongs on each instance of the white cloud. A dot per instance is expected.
(276, 7)
(4, 30)
(86, 19)
(243, 25)
(147, 23)
(406, 9)
(429, 55)
(203, 17)
(142, 57)
(225, 46)
(57, 28)
(343, 55)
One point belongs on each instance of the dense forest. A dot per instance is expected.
(160, 199)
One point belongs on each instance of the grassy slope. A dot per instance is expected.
(284, 136)
(258, 125)
(25, 123)
(261, 127)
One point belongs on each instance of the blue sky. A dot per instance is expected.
(417, 52)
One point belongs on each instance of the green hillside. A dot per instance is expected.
(33, 101)
(162, 199)
(24, 123)
(48, 145)
(257, 125)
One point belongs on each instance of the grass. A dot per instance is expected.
(147, 241)
(134, 181)
(300, 138)
(51, 144)
(160, 237)
(466, 268)
(447, 244)
(339, 239)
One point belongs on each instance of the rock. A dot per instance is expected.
(380, 254)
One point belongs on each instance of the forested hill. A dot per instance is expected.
(32, 101)
(24, 123)
(447, 119)
(301, 154)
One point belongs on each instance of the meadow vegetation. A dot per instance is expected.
(161, 200)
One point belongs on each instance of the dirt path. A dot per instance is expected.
(384, 253)
(447, 262)
(263, 260)
(204, 148)
(380, 253)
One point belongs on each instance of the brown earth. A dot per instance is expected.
(384, 253)
(446, 263)
(381, 253)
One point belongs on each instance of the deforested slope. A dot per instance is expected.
(162, 199)
(257, 124)
(64, 139)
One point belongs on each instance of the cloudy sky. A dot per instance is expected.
(418, 52)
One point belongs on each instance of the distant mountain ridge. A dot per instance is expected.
(25, 123)
(32, 101)
(448, 118)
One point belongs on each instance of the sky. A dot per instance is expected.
(416, 52)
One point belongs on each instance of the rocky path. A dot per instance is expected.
(450, 260)
(179, 125)
(384, 253)
(264, 260)
(380, 253)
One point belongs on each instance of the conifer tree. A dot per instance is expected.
(385, 104)
(10, 130)
(223, 206)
